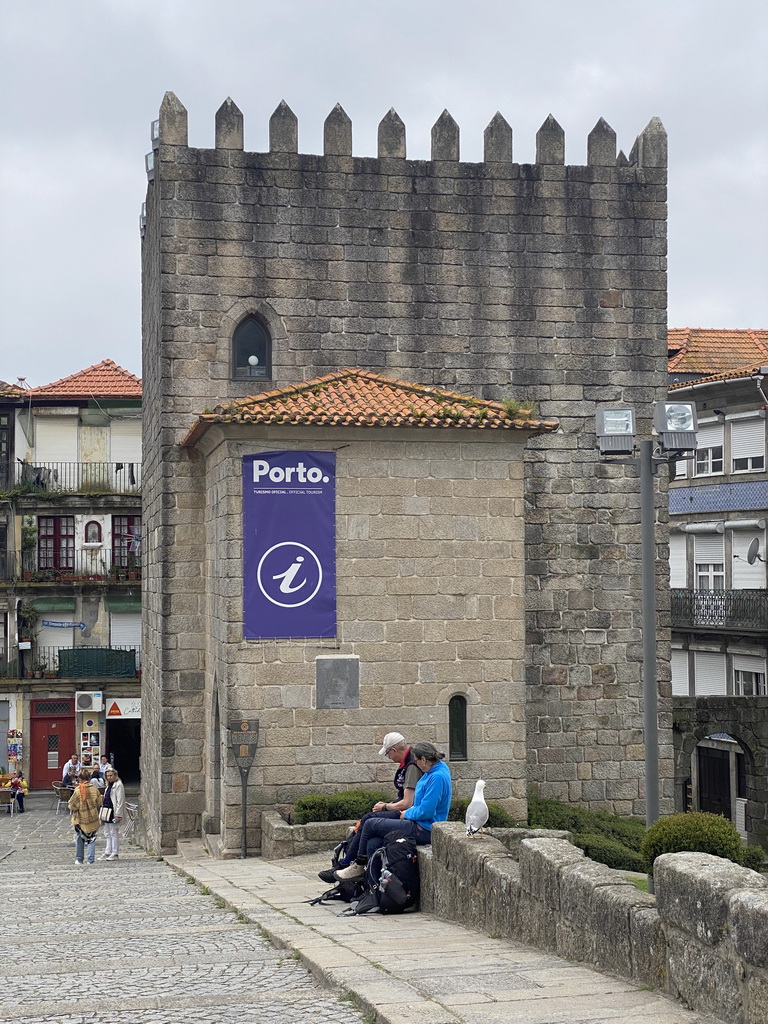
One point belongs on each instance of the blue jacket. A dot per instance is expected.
(432, 797)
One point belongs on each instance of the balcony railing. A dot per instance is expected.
(97, 566)
(726, 610)
(78, 477)
(83, 662)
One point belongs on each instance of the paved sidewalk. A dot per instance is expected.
(130, 942)
(416, 969)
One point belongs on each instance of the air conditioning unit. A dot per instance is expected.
(86, 701)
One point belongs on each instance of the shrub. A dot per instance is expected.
(497, 816)
(752, 857)
(694, 831)
(353, 803)
(609, 851)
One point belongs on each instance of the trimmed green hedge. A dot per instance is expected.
(753, 857)
(694, 831)
(353, 803)
(497, 816)
(609, 851)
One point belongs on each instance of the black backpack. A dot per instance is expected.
(391, 878)
(345, 890)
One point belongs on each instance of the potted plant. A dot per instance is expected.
(38, 669)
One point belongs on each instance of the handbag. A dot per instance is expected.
(106, 814)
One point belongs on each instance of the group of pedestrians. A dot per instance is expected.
(91, 808)
(424, 790)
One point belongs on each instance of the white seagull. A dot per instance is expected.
(477, 812)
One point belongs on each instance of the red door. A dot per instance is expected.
(52, 741)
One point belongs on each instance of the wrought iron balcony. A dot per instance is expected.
(78, 477)
(726, 611)
(82, 662)
(93, 566)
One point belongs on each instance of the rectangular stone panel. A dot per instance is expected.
(337, 680)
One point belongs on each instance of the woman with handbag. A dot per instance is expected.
(112, 813)
(84, 806)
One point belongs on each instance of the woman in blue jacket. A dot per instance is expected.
(431, 801)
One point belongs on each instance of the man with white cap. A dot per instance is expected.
(397, 749)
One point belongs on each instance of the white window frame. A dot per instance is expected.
(710, 452)
(752, 440)
(753, 682)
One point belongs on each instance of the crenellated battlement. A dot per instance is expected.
(648, 151)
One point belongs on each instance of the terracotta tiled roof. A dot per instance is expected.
(359, 398)
(103, 380)
(10, 390)
(739, 372)
(704, 351)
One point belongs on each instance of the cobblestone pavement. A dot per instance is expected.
(132, 942)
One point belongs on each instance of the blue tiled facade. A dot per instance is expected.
(734, 497)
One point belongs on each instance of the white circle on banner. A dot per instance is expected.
(297, 561)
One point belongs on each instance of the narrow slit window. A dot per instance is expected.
(457, 728)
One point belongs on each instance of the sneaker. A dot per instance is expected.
(113, 856)
(78, 863)
(350, 873)
(104, 856)
(328, 876)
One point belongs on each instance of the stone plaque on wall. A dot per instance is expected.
(337, 679)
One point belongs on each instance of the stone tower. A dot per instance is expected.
(496, 279)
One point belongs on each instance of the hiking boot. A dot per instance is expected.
(351, 873)
(328, 876)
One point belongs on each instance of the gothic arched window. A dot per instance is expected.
(252, 350)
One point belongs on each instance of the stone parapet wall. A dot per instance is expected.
(280, 840)
(703, 938)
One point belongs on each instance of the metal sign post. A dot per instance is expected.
(243, 740)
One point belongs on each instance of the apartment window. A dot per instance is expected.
(56, 542)
(747, 445)
(709, 451)
(749, 684)
(252, 350)
(126, 541)
(710, 576)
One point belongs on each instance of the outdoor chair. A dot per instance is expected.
(63, 796)
(7, 800)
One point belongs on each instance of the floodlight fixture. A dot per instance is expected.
(676, 425)
(615, 429)
(149, 164)
(155, 134)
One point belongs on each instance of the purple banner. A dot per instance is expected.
(289, 545)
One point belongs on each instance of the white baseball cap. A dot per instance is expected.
(392, 739)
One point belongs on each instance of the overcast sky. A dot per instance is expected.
(81, 80)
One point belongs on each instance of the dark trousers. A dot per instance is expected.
(353, 848)
(374, 830)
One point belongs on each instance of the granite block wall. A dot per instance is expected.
(545, 281)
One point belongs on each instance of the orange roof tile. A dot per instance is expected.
(359, 398)
(740, 372)
(705, 351)
(10, 390)
(103, 380)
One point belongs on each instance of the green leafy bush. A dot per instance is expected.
(752, 857)
(695, 831)
(609, 851)
(607, 838)
(353, 803)
(497, 816)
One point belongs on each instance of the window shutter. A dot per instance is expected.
(746, 576)
(710, 436)
(747, 438)
(56, 439)
(679, 673)
(677, 566)
(125, 629)
(125, 440)
(709, 674)
(748, 663)
(708, 548)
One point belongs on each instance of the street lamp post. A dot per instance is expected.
(675, 424)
